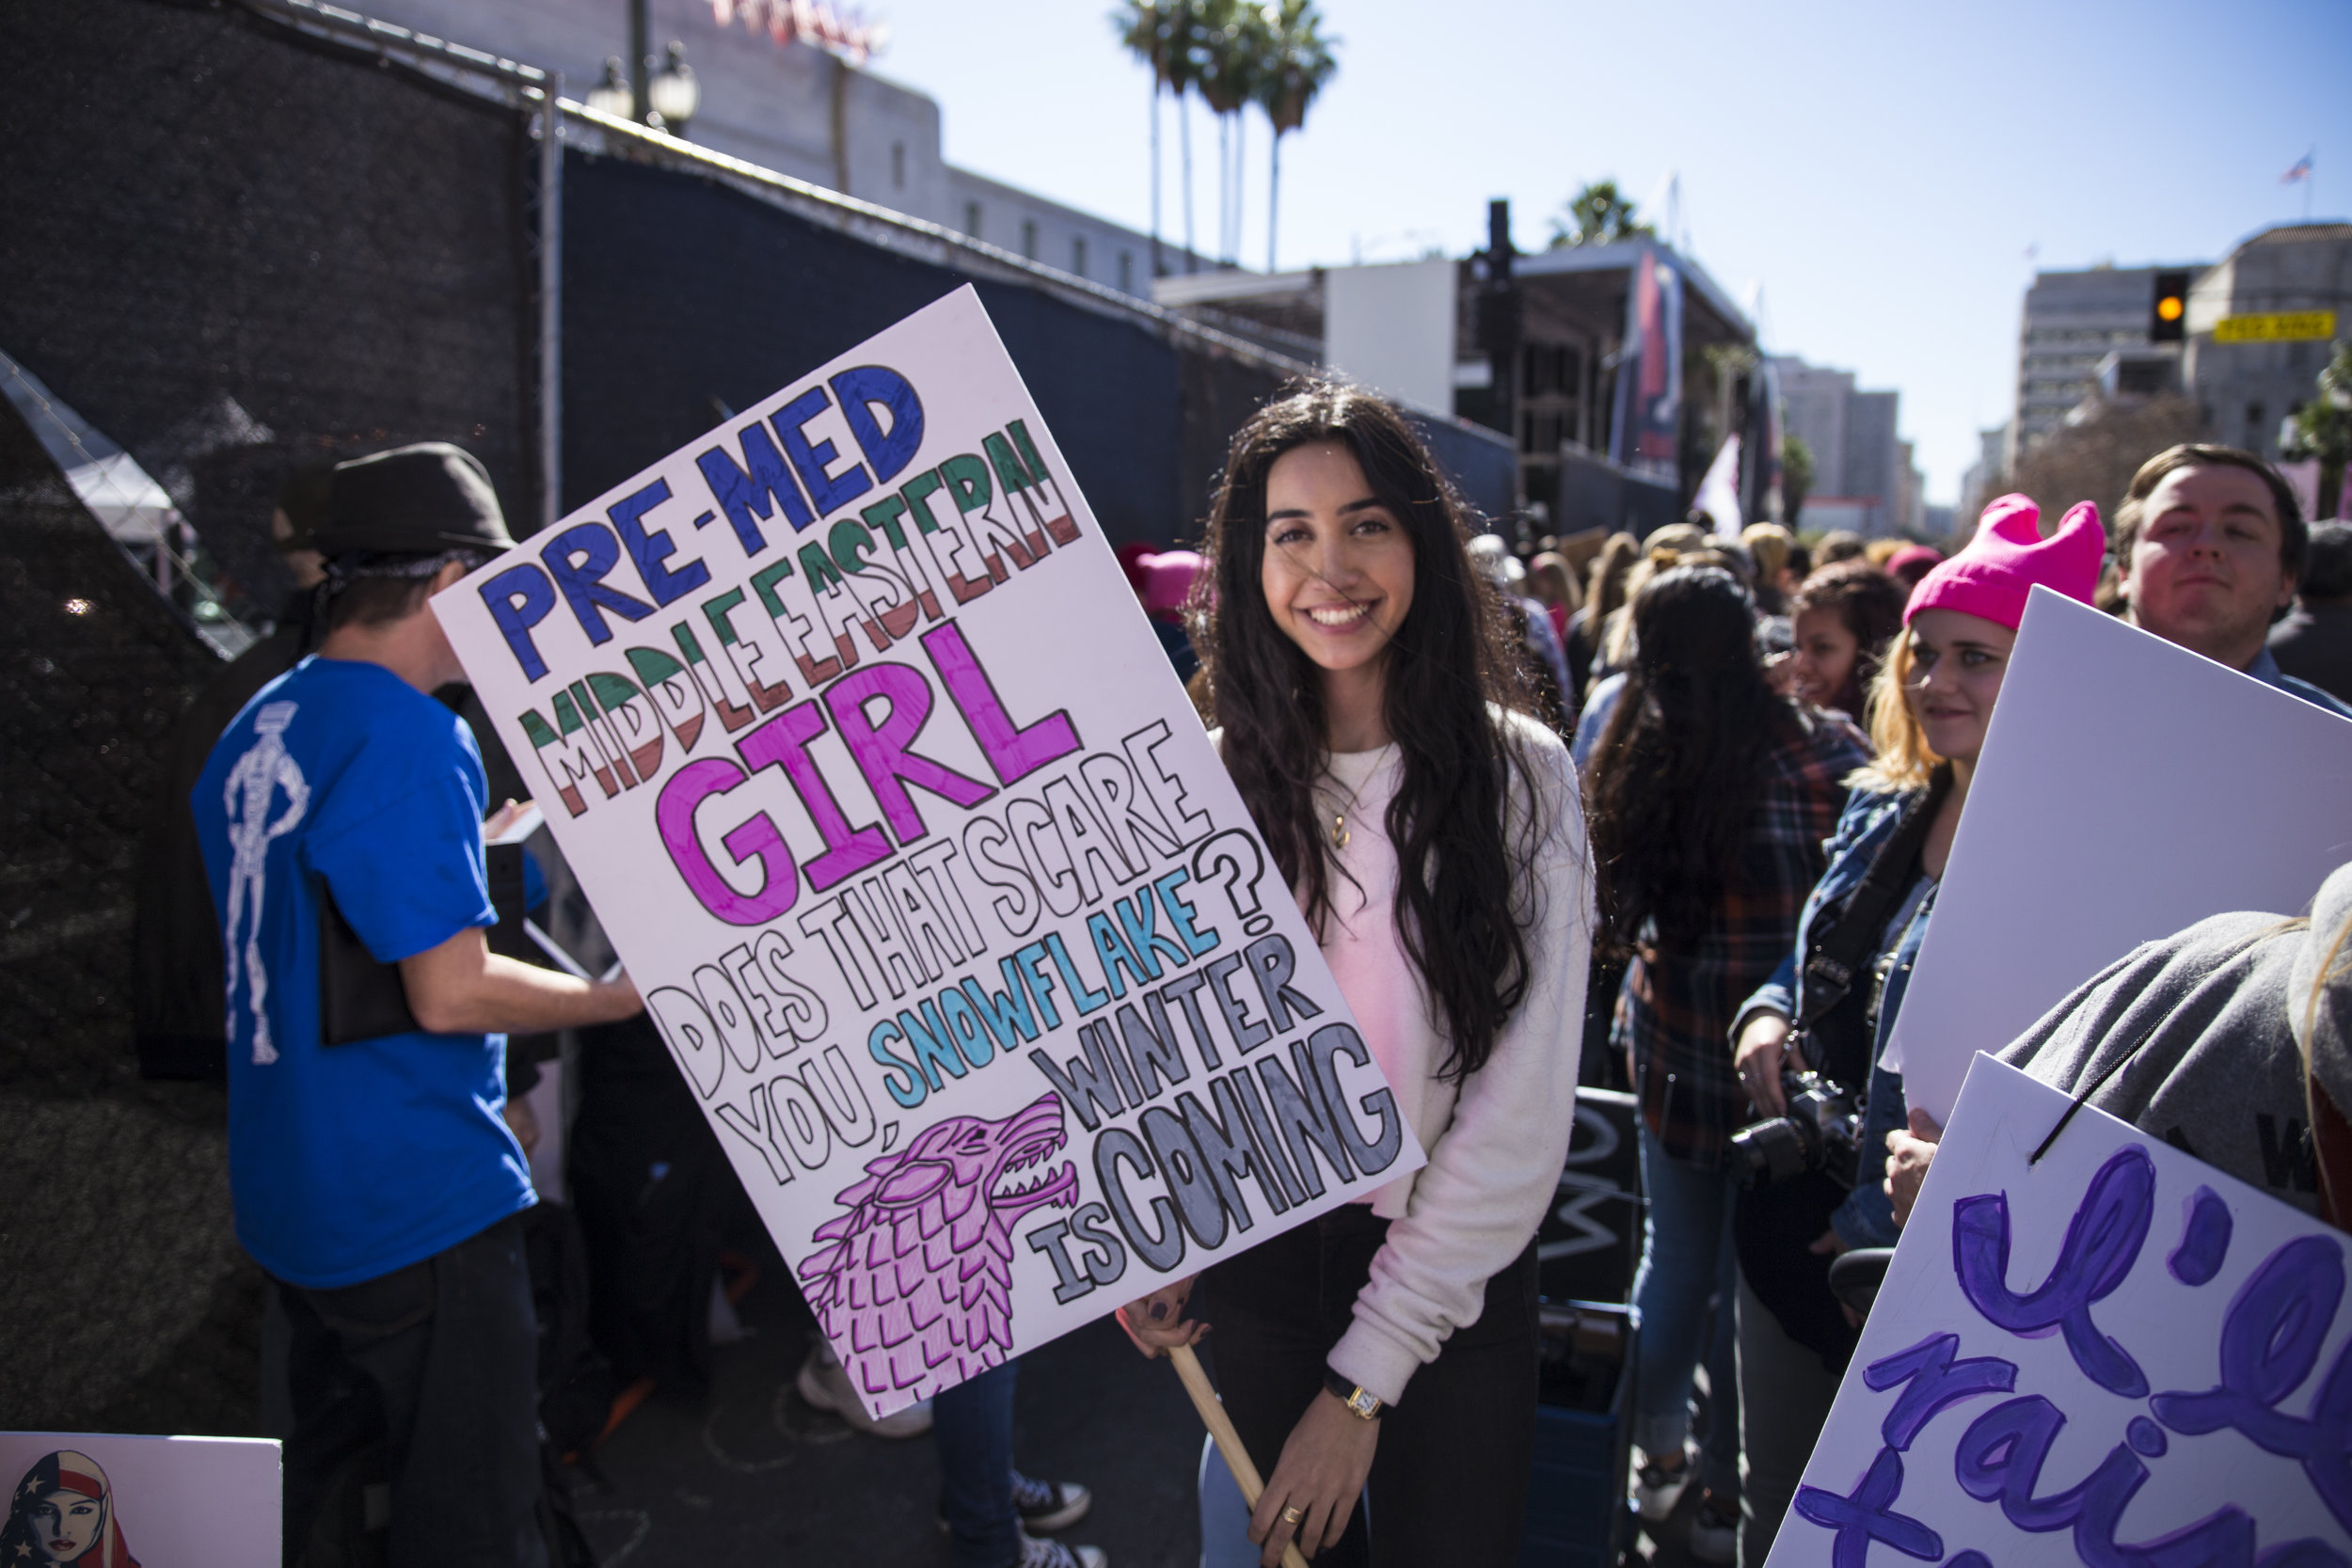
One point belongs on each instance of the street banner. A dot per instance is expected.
(1647, 433)
(169, 1502)
(2105, 1352)
(2128, 789)
(846, 720)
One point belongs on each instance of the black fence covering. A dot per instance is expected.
(685, 298)
(230, 250)
(233, 247)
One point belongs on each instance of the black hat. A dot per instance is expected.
(414, 500)
(303, 499)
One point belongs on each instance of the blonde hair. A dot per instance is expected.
(1767, 546)
(1618, 634)
(2329, 972)
(1551, 570)
(1903, 760)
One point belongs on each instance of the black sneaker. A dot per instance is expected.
(1053, 1554)
(1715, 1529)
(1046, 1506)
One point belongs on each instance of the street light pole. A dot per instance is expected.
(640, 62)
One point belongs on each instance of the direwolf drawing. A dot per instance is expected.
(252, 784)
(915, 1291)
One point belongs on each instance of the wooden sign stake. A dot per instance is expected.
(1220, 1427)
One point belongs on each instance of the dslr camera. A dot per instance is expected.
(1821, 1132)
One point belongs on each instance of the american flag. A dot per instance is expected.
(2302, 171)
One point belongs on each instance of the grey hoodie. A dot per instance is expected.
(2213, 1019)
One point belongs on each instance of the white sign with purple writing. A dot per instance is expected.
(2112, 1355)
(848, 721)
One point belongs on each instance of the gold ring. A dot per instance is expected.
(1292, 1514)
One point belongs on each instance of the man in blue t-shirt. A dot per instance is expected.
(341, 820)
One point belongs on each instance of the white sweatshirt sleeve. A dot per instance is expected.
(1498, 1163)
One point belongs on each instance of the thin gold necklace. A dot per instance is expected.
(1340, 835)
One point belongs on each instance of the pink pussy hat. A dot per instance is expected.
(1993, 575)
(1167, 580)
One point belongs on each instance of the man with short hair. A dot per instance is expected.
(342, 821)
(2314, 643)
(2212, 542)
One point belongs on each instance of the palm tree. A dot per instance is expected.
(1298, 64)
(1153, 32)
(1233, 39)
(1598, 214)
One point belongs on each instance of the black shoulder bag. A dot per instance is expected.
(360, 999)
(1833, 1028)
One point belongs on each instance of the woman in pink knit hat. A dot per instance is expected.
(1928, 709)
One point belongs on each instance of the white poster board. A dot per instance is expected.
(880, 785)
(2115, 1356)
(2128, 790)
(166, 1503)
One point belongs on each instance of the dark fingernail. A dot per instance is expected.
(1159, 1309)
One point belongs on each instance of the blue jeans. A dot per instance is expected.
(1689, 1265)
(972, 1425)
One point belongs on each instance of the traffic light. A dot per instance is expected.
(2168, 313)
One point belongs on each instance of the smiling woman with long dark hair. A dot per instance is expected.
(1365, 704)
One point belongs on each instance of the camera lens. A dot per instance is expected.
(1773, 1151)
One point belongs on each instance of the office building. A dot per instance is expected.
(2261, 324)
(802, 110)
(2075, 326)
(1863, 475)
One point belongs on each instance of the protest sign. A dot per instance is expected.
(2128, 789)
(2112, 1356)
(851, 729)
(169, 1502)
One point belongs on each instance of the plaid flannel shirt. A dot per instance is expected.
(1676, 1006)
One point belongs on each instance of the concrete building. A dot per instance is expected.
(1863, 473)
(1411, 330)
(803, 111)
(2260, 324)
(2073, 322)
(1978, 480)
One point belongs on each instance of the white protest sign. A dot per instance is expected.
(2117, 1355)
(850, 725)
(2128, 789)
(168, 1502)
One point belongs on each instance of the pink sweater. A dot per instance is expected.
(1495, 1142)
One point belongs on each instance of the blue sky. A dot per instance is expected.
(1880, 170)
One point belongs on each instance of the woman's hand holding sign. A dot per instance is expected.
(1909, 1153)
(1157, 1323)
(1316, 1482)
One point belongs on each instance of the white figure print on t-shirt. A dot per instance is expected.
(252, 787)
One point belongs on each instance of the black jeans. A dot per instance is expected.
(438, 1363)
(1449, 1478)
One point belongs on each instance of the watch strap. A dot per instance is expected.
(1362, 1403)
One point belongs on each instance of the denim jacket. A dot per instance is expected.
(1866, 1218)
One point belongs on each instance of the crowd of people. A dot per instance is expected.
(1700, 787)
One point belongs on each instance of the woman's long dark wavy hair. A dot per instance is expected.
(1464, 900)
(1681, 765)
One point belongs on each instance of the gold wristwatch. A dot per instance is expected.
(1362, 1403)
